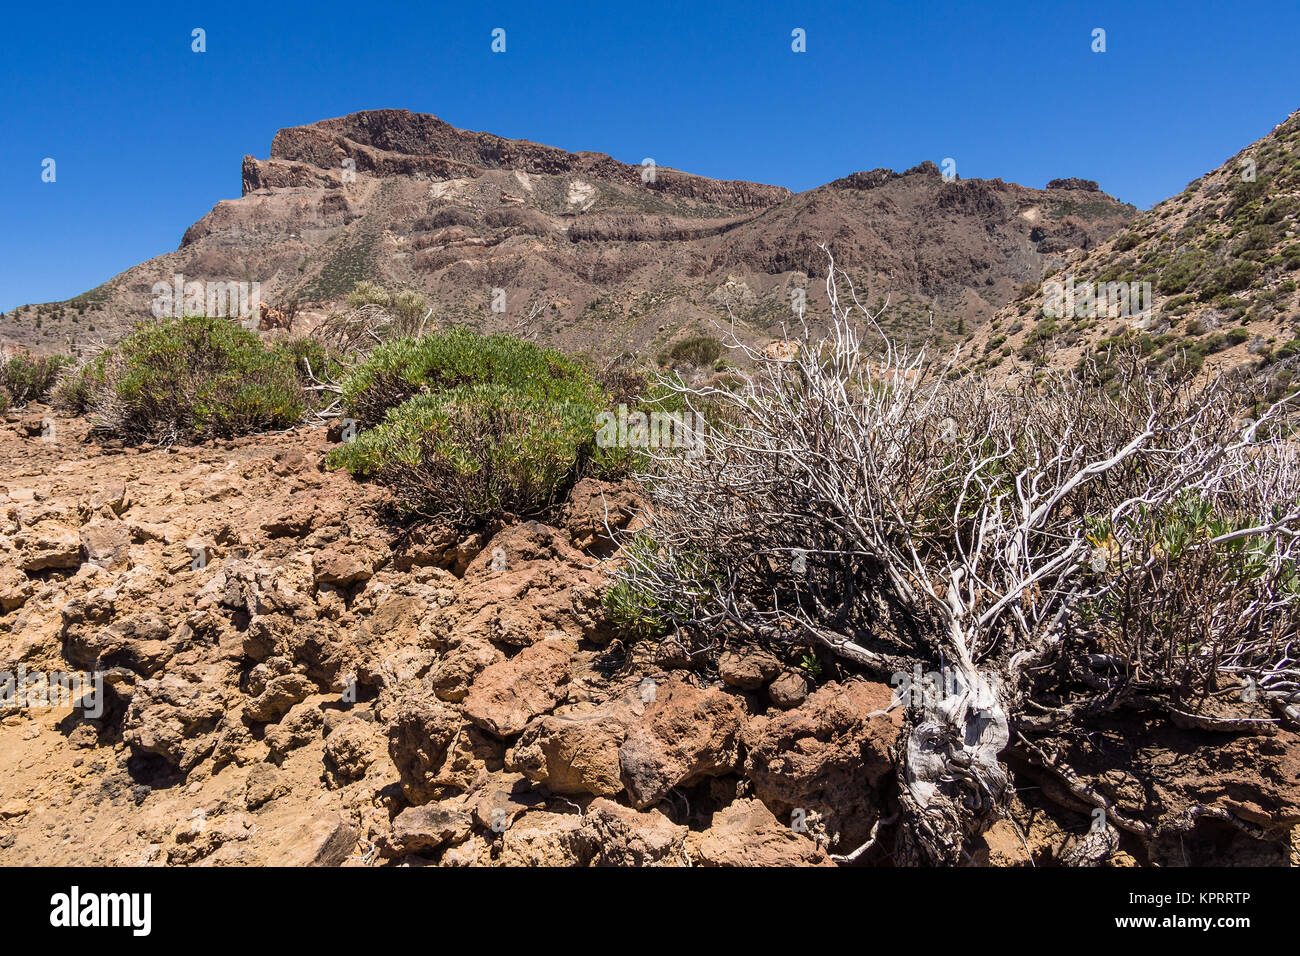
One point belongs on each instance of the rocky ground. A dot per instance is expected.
(291, 680)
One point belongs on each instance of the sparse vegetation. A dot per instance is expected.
(469, 427)
(186, 379)
(29, 378)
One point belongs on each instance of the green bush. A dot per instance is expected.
(697, 351)
(404, 367)
(1180, 273)
(1232, 277)
(29, 378)
(470, 428)
(476, 452)
(189, 378)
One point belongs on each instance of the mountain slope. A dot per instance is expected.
(1222, 261)
(592, 254)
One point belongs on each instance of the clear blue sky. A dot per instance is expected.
(148, 135)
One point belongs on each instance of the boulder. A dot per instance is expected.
(344, 564)
(421, 829)
(176, 716)
(747, 834)
(575, 749)
(748, 668)
(686, 733)
(789, 690)
(280, 694)
(615, 835)
(48, 547)
(510, 693)
(105, 543)
(827, 758)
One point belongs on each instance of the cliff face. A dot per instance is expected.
(594, 254)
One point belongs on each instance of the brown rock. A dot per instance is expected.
(298, 728)
(105, 543)
(281, 693)
(789, 690)
(325, 840)
(265, 783)
(456, 670)
(827, 758)
(50, 546)
(345, 564)
(420, 829)
(598, 509)
(685, 734)
(15, 588)
(747, 834)
(615, 835)
(575, 749)
(529, 583)
(507, 695)
(175, 716)
(542, 839)
(419, 734)
(748, 668)
(349, 750)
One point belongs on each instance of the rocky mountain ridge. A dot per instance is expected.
(592, 254)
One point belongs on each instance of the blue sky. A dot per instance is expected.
(147, 135)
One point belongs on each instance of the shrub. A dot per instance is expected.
(696, 351)
(1180, 273)
(29, 378)
(188, 378)
(1232, 277)
(400, 369)
(1064, 552)
(76, 388)
(469, 428)
(475, 452)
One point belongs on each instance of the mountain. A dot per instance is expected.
(1221, 261)
(593, 254)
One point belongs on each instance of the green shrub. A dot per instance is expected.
(1232, 277)
(402, 368)
(1180, 273)
(697, 351)
(476, 452)
(189, 378)
(469, 428)
(29, 378)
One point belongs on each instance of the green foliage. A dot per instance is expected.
(475, 451)
(811, 666)
(696, 351)
(402, 368)
(191, 378)
(471, 428)
(636, 611)
(1181, 273)
(29, 378)
(1229, 278)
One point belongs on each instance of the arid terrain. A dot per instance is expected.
(326, 689)
(295, 673)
